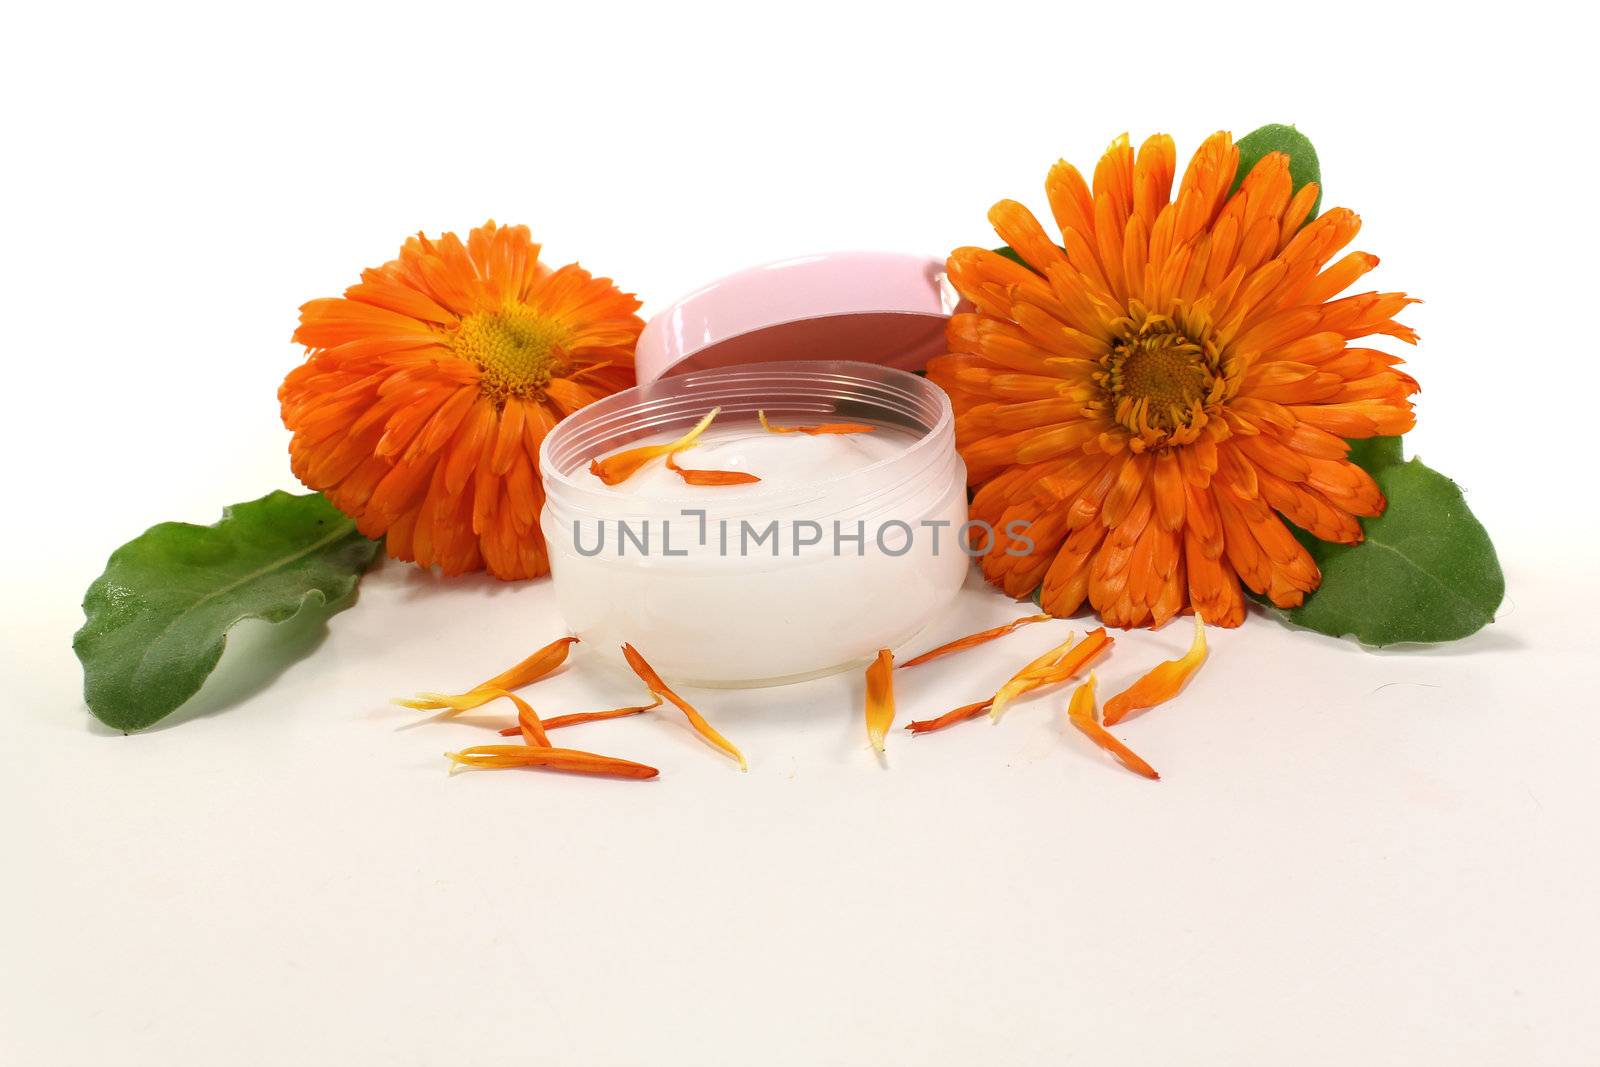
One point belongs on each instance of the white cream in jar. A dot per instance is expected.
(774, 457)
(849, 543)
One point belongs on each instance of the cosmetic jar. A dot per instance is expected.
(760, 584)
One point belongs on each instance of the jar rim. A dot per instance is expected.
(680, 400)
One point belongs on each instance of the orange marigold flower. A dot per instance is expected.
(1154, 392)
(429, 386)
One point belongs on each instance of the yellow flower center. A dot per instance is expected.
(1165, 370)
(517, 350)
(1160, 376)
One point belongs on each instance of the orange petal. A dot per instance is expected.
(1163, 682)
(653, 681)
(880, 698)
(575, 719)
(1081, 711)
(1023, 680)
(950, 718)
(528, 722)
(710, 477)
(529, 725)
(1080, 656)
(623, 465)
(529, 670)
(972, 640)
(557, 759)
(819, 428)
(1054, 667)
(534, 667)
(592, 368)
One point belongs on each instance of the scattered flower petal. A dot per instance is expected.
(816, 430)
(1027, 678)
(1054, 667)
(972, 640)
(493, 757)
(556, 722)
(1163, 682)
(528, 722)
(950, 718)
(653, 681)
(620, 467)
(880, 698)
(1081, 710)
(529, 670)
(693, 477)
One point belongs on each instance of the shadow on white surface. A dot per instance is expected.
(420, 586)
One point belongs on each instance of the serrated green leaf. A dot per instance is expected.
(1276, 137)
(157, 620)
(1426, 572)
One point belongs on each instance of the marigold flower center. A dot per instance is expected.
(517, 350)
(1159, 377)
(1165, 369)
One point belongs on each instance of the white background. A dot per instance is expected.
(1352, 858)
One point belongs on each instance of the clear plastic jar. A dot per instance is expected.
(861, 560)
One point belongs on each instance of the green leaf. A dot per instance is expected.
(158, 618)
(1276, 137)
(1011, 254)
(1372, 454)
(1426, 572)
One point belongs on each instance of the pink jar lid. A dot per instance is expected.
(875, 307)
